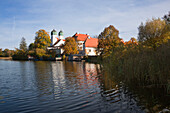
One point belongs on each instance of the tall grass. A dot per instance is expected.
(142, 66)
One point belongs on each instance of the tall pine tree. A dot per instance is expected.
(23, 44)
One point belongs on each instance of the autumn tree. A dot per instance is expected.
(132, 42)
(19, 54)
(108, 40)
(70, 46)
(40, 52)
(152, 32)
(23, 45)
(42, 39)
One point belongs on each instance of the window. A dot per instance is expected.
(80, 44)
(89, 50)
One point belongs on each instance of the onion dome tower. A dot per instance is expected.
(53, 37)
(60, 34)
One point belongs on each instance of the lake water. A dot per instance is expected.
(63, 87)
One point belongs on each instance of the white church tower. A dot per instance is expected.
(60, 34)
(53, 37)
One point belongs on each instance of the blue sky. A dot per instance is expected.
(22, 18)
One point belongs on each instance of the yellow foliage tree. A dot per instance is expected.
(70, 46)
(153, 33)
(132, 42)
(40, 52)
(42, 39)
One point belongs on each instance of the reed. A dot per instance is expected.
(141, 65)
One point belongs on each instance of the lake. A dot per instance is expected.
(74, 87)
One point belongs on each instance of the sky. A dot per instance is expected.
(23, 18)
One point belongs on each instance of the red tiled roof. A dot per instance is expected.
(92, 42)
(81, 37)
(89, 42)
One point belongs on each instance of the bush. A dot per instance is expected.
(40, 52)
(20, 55)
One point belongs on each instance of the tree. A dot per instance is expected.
(1, 52)
(166, 33)
(151, 33)
(167, 18)
(31, 46)
(6, 52)
(42, 39)
(23, 44)
(132, 42)
(19, 54)
(40, 52)
(70, 46)
(108, 40)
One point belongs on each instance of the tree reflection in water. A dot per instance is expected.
(85, 81)
(77, 87)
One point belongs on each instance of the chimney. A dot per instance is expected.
(88, 36)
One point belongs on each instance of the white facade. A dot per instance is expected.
(80, 45)
(90, 51)
(53, 39)
(61, 37)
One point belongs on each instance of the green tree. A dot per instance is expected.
(23, 44)
(108, 40)
(42, 39)
(31, 46)
(152, 32)
(21, 53)
(167, 18)
(166, 33)
(70, 46)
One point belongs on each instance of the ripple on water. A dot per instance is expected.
(59, 87)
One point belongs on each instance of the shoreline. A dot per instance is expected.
(5, 58)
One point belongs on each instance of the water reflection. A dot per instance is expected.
(73, 77)
(84, 85)
(57, 69)
(43, 79)
(67, 87)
